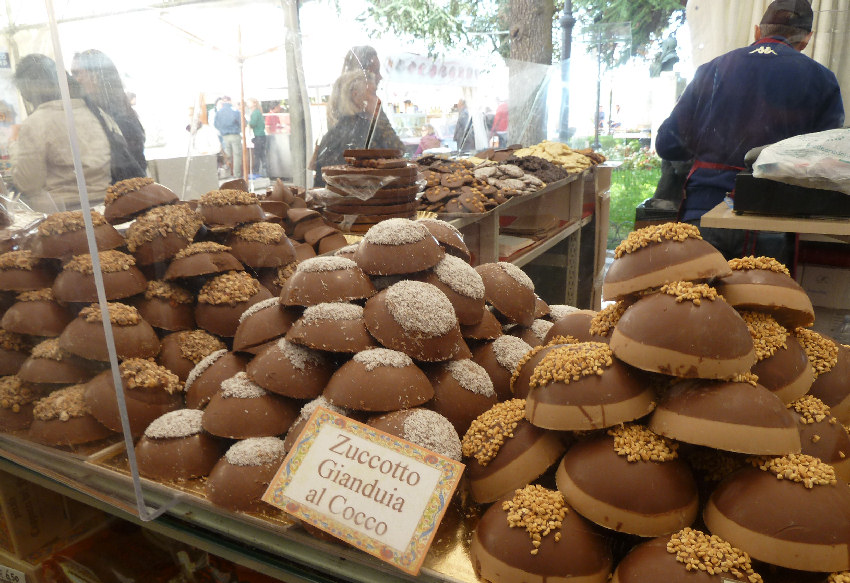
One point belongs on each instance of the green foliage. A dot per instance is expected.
(629, 188)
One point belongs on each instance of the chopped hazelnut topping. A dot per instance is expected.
(805, 469)
(166, 290)
(538, 510)
(227, 197)
(139, 373)
(821, 351)
(110, 262)
(119, 314)
(605, 320)
(768, 334)
(656, 234)
(50, 350)
(521, 363)
(18, 260)
(229, 288)
(285, 272)
(751, 262)
(179, 219)
(266, 233)
(121, 188)
(810, 408)
(637, 443)
(694, 292)
(67, 222)
(14, 393)
(196, 345)
(13, 342)
(842, 577)
(39, 295)
(488, 431)
(745, 377)
(570, 362)
(714, 464)
(62, 404)
(203, 247)
(698, 551)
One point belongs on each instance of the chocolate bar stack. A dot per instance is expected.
(371, 186)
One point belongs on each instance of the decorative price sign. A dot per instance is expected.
(9, 575)
(377, 492)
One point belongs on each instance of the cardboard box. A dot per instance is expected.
(35, 521)
(828, 287)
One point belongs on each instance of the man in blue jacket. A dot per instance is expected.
(228, 122)
(746, 98)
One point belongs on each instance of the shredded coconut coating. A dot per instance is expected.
(375, 357)
(265, 233)
(637, 443)
(768, 334)
(605, 320)
(325, 263)
(538, 510)
(67, 222)
(203, 247)
(509, 351)
(693, 292)
(489, 431)
(62, 404)
(516, 274)
(460, 276)
(540, 328)
(335, 311)
(49, 349)
(309, 407)
(196, 345)
(698, 551)
(441, 223)
(158, 222)
(139, 373)
(656, 234)
(256, 451)
(18, 260)
(300, 356)
(202, 366)
(176, 424)
(571, 362)
(269, 303)
(471, 376)
(420, 308)
(228, 197)
(230, 288)
(240, 386)
(119, 314)
(820, 350)
(522, 361)
(396, 232)
(432, 431)
(811, 410)
(123, 187)
(39, 295)
(13, 342)
(751, 262)
(558, 311)
(804, 469)
(14, 393)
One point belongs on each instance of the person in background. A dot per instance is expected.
(746, 98)
(429, 139)
(500, 123)
(257, 123)
(99, 78)
(354, 108)
(229, 126)
(464, 134)
(40, 152)
(273, 123)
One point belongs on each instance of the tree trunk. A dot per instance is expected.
(531, 43)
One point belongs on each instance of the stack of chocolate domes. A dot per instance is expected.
(373, 185)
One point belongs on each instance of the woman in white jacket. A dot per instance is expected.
(41, 155)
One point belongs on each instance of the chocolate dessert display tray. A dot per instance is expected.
(272, 543)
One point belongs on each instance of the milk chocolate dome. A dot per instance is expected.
(63, 234)
(241, 477)
(782, 366)
(121, 278)
(398, 246)
(243, 409)
(684, 330)
(462, 391)
(49, 364)
(167, 306)
(229, 208)
(204, 258)
(326, 279)
(224, 298)
(500, 358)
(205, 379)
(423, 427)
(462, 285)
(160, 233)
(23, 271)
(333, 327)
(448, 237)
(262, 323)
(16, 403)
(36, 313)
(261, 245)
(127, 198)
(509, 290)
(176, 447)
(660, 254)
(63, 418)
(832, 383)
(182, 351)
(290, 370)
(85, 336)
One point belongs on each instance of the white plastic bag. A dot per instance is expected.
(819, 160)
